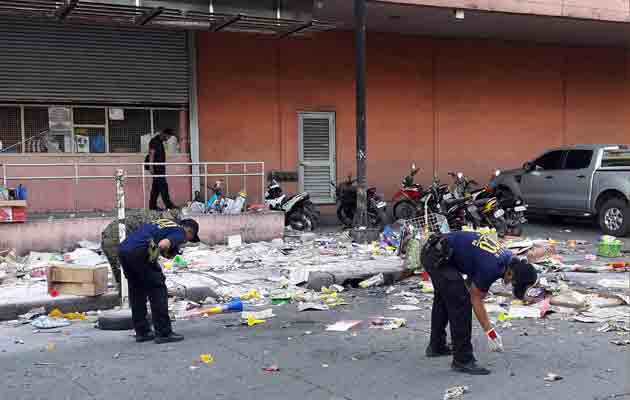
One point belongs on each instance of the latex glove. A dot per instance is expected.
(494, 341)
(153, 251)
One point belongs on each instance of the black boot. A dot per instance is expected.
(444, 351)
(469, 368)
(170, 338)
(145, 337)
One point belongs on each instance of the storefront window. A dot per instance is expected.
(10, 129)
(68, 129)
(127, 129)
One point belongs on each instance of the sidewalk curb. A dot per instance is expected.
(193, 293)
(78, 304)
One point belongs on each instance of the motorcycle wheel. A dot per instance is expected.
(404, 210)
(501, 227)
(374, 220)
(516, 230)
(311, 213)
(345, 215)
(300, 221)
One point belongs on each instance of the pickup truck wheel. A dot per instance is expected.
(614, 217)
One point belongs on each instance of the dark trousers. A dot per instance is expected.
(146, 281)
(159, 188)
(451, 302)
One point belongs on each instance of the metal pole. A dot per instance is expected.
(122, 231)
(262, 188)
(244, 178)
(144, 189)
(4, 174)
(227, 178)
(76, 187)
(360, 217)
(205, 182)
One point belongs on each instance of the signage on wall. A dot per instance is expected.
(116, 114)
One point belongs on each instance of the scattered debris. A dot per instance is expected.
(260, 315)
(376, 280)
(552, 377)
(621, 342)
(312, 307)
(272, 369)
(388, 323)
(253, 321)
(614, 327)
(343, 326)
(456, 392)
(46, 322)
(206, 359)
(405, 307)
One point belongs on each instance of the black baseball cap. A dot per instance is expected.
(524, 275)
(192, 224)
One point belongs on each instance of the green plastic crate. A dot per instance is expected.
(609, 249)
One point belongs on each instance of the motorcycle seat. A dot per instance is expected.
(482, 202)
(453, 202)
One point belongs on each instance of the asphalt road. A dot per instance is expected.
(80, 362)
(84, 363)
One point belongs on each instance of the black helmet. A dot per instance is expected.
(524, 275)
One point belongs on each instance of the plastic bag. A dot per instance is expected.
(46, 322)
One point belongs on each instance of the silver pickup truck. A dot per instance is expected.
(580, 180)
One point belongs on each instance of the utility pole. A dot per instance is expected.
(360, 217)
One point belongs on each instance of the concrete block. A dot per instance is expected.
(43, 235)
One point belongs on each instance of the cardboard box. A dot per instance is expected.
(77, 280)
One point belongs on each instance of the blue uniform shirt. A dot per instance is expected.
(156, 231)
(480, 257)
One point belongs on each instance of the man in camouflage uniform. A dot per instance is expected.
(134, 219)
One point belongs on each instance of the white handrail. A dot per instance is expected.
(195, 173)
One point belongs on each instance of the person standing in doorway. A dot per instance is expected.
(157, 154)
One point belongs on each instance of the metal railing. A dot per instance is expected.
(231, 169)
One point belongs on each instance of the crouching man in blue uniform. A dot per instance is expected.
(446, 258)
(138, 256)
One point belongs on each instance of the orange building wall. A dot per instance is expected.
(447, 104)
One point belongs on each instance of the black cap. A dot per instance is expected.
(192, 224)
(524, 275)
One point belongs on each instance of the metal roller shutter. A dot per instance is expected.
(54, 62)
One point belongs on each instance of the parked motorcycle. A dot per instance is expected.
(462, 185)
(346, 193)
(456, 203)
(500, 209)
(407, 199)
(299, 210)
(514, 207)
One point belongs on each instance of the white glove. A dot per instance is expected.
(495, 343)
